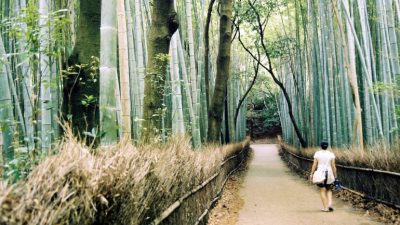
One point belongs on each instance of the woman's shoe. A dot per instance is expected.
(330, 209)
(324, 210)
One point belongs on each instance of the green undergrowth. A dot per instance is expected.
(379, 156)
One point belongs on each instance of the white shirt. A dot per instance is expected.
(324, 158)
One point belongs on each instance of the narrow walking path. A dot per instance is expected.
(274, 196)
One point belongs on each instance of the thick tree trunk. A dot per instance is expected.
(88, 32)
(163, 26)
(216, 109)
(226, 120)
(87, 45)
(207, 52)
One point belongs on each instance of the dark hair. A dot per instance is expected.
(324, 144)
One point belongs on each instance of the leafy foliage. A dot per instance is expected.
(263, 113)
(382, 88)
(158, 78)
(281, 47)
(18, 168)
(243, 10)
(22, 164)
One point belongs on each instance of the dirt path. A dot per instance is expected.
(273, 195)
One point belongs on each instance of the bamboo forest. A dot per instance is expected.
(146, 111)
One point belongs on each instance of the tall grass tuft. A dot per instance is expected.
(118, 184)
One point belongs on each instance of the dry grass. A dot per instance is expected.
(379, 156)
(119, 184)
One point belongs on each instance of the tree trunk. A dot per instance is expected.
(87, 46)
(88, 32)
(163, 26)
(226, 134)
(207, 52)
(216, 109)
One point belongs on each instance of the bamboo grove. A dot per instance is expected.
(88, 63)
(342, 71)
(139, 69)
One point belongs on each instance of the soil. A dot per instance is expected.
(270, 193)
(378, 210)
(227, 209)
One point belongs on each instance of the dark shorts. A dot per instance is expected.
(325, 185)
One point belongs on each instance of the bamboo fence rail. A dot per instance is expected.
(377, 185)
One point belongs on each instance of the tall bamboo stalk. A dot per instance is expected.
(195, 135)
(6, 106)
(46, 104)
(133, 74)
(178, 126)
(108, 72)
(139, 48)
(124, 70)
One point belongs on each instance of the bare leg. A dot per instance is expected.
(329, 194)
(324, 199)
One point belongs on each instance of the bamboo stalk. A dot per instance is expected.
(124, 70)
(108, 72)
(178, 126)
(6, 114)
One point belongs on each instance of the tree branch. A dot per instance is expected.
(256, 70)
(271, 72)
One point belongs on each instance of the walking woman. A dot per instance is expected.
(323, 173)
